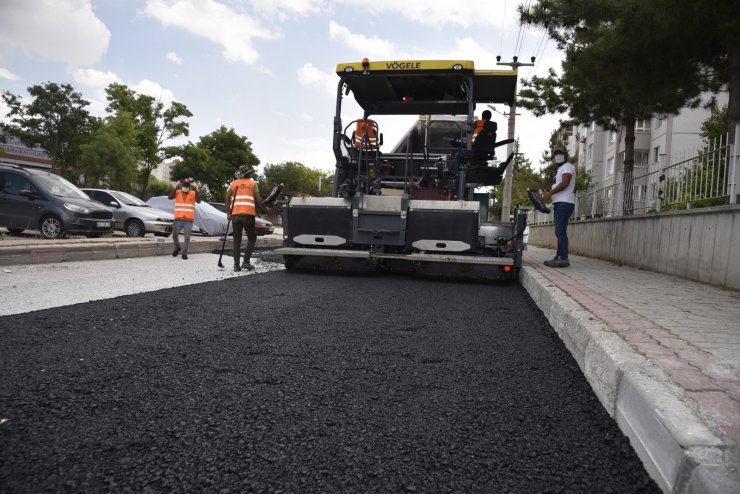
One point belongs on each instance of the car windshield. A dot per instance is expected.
(57, 186)
(130, 200)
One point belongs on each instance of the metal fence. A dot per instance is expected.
(706, 177)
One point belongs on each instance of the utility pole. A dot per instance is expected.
(506, 204)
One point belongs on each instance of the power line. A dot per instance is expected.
(539, 52)
(522, 32)
(542, 54)
(503, 24)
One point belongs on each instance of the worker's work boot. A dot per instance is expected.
(237, 268)
(557, 263)
(176, 251)
(247, 265)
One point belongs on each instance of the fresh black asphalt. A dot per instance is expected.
(293, 383)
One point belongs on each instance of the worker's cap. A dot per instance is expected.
(185, 181)
(559, 150)
(245, 171)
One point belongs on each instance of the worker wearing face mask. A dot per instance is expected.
(185, 196)
(564, 198)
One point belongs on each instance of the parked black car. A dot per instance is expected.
(34, 199)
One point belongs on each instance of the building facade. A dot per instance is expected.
(660, 143)
(14, 152)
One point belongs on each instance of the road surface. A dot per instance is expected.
(283, 382)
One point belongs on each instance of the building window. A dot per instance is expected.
(612, 136)
(641, 157)
(639, 192)
(590, 151)
(610, 166)
(659, 120)
(656, 154)
(642, 126)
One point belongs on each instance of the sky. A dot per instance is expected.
(265, 68)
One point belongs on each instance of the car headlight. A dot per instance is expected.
(76, 208)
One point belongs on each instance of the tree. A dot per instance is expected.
(155, 125)
(110, 157)
(524, 177)
(214, 160)
(715, 126)
(621, 64)
(159, 187)
(56, 119)
(299, 179)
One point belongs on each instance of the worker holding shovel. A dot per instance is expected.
(242, 198)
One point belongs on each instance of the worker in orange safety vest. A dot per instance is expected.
(366, 134)
(241, 200)
(483, 123)
(185, 196)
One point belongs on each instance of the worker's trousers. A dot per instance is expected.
(243, 223)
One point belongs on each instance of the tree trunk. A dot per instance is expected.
(733, 107)
(629, 162)
(146, 173)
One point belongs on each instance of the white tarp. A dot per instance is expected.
(207, 218)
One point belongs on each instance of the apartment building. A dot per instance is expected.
(660, 141)
(163, 170)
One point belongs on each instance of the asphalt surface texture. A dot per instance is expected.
(290, 382)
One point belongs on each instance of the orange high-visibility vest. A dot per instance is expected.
(365, 135)
(185, 205)
(479, 124)
(242, 197)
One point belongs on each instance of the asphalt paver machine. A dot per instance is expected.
(413, 209)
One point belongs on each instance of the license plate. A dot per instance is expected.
(103, 224)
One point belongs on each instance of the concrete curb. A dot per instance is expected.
(680, 451)
(93, 251)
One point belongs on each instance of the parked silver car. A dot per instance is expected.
(132, 215)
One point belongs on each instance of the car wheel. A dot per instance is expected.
(51, 227)
(135, 228)
(15, 231)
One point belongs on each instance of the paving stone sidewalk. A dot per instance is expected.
(682, 335)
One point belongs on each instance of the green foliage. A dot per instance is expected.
(299, 179)
(159, 188)
(110, 158)
(627, 59)
(524, 177)
(154, 123)
(715, 126)
(214, 160)
(56, 119)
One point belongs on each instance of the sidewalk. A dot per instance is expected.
(32, 250)
(663, 356)
(661, 353)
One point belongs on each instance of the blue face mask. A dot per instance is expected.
(186, 189)
(559, 159)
